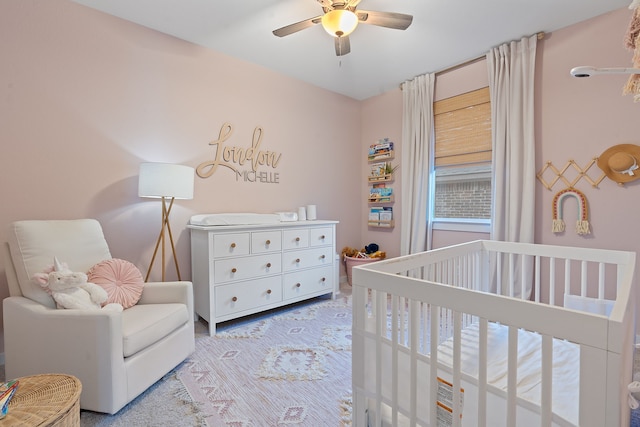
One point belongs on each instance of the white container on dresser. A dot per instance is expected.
(239, 270)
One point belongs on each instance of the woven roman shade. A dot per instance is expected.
(463, 129)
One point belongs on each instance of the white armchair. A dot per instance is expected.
(115, 355)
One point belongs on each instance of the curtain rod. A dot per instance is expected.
(540, 35)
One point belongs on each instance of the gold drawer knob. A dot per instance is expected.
(322, 237)
(322, 256)
(297, 260)
(298, 285)
(233, 245)
(297, 239)
(269, 291)
(268, 265)
(323, 279)
(268, 242)
(234, 299)
(233, 270)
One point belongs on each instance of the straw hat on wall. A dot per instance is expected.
(621, 163)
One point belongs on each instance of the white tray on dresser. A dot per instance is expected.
(239, 270)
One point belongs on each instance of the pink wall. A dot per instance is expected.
(575, 119)
(86, 97)
(580, 118)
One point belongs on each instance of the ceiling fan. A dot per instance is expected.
(341, 18)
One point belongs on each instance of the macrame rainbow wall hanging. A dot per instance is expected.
(582, 224)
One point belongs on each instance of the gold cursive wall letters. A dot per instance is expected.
(234, 157)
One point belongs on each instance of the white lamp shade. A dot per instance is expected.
(165, 180)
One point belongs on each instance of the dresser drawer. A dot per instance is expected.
(225, 245)
(238, 297)
(297, 260)
(307, 282)
(295, 238)
(226, 270)
(320, 236)
(266, 241)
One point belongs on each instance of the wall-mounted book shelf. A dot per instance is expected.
(379, 179)
(381, 199)
(381, 157)
(382, 224)
(387, 177)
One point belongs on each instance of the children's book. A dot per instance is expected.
(7, 390)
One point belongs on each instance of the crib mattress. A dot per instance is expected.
(566, 365)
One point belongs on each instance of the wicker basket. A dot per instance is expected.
(45, 400)
(351, 262)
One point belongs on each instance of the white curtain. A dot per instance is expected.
(511, 78)
(511, 84)
(417, 131)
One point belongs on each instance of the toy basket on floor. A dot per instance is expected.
(351, 262)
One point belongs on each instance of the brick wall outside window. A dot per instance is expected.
(469, 199)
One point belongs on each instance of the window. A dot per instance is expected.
(461, 193)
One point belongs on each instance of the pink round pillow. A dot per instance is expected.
(121, 279)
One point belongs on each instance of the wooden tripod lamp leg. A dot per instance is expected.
(173, 248)
(161, 240)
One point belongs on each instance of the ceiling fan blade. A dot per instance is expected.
(326, 4)
(351, 4)
(298, 26)
(397, 21)
(343, 45)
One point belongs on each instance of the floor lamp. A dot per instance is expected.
(167, 182)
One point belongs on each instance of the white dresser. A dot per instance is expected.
(244, 269)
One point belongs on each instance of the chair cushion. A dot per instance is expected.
(145, 324)
(121, 279)
(33, 244)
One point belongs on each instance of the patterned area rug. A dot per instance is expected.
(287, 367)
(166, 403)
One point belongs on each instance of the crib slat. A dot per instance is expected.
(583, 279)
(433, 366)
(546, 386)
(482, 373)
(552, 281)
(457, 344)
(499, 273)
(395, 301)
(511, 273)
(512, 376)
(567, 276)
(425, 327)
(523, 276)
(537, 277)
(601, 282)
(413, 404)
(381, 330)
(359, 315)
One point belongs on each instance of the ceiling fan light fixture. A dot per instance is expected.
(339, 22)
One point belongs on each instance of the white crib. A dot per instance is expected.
(494, 334)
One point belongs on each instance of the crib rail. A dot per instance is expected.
(406, 308)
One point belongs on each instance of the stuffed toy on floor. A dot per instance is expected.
(72, 290)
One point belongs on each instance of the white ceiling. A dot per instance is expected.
(443, 33)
